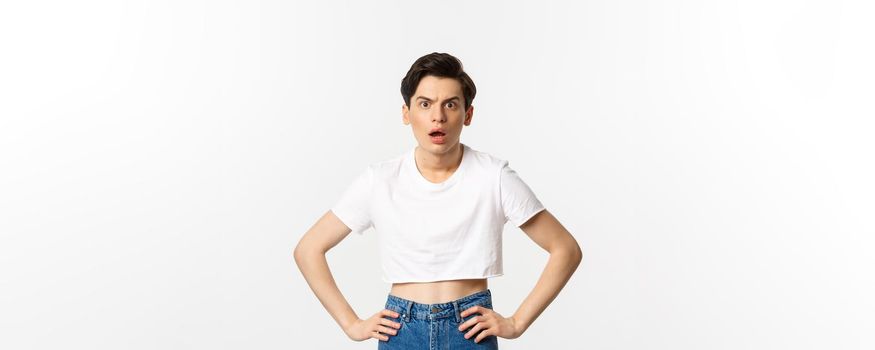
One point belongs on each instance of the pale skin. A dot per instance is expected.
(439, 102)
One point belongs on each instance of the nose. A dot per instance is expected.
(440, 115)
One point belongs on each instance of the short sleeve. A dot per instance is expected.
(518, 202)
(353, 207)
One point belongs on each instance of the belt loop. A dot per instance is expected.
(456, 311)
(407, 316)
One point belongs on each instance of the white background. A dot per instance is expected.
(160, 160)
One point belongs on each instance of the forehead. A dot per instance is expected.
(438, 87)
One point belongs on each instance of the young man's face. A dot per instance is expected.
(437, 103)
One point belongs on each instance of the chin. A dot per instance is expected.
(446, 144)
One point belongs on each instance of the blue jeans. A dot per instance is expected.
(436, 326)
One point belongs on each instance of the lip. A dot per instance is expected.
(438, 139)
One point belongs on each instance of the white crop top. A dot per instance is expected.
(438, 231)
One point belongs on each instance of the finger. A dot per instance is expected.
(379, 336)
(390, 313)
(390, 323)
(471, 310)
(474, 330)
(482, 335)
(386, 330)
(474, 320)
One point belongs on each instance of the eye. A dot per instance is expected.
(451, 104)
(424, 104)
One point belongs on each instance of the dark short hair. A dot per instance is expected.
(441, 65)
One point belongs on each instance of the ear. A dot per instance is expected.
(469, 114)
(404, 118)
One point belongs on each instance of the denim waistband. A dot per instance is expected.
(411, 309)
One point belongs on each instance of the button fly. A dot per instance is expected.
(434, 309)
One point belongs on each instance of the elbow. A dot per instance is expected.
(300, 253)
(571, 254)
(575, 254)
(304, 253)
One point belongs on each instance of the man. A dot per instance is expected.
(440, 210)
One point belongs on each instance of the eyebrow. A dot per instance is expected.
(430, 100)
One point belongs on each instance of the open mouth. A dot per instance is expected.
(437, 137)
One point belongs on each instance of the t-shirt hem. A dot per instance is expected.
(528, 217)
(421, 280)
(348, 222)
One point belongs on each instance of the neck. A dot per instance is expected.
(439, 162)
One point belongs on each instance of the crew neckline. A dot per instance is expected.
(454, 178)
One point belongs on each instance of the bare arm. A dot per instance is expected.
(565, 257)
(310, 258)
(309, 254)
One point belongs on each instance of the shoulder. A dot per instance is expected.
(487, 160)
(386, 167)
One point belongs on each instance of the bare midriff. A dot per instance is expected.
(439, 291)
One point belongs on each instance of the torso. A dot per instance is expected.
(446, 290)
(439, 291)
